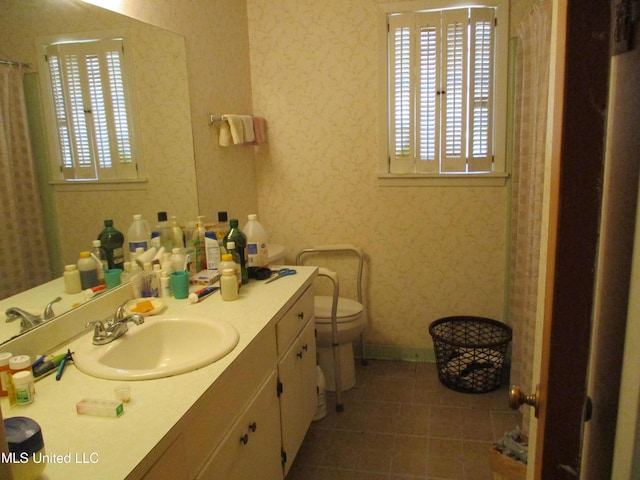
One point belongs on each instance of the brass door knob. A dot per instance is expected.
(518, 398)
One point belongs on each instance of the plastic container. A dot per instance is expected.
(165, 284)
(227, 262)
(139, 234)
(71, 278)
(166, 232)
(101, 263)
(470, 352)
(257, 253)
(4, 373)
(112, 241)
(26, 446)
(236, 236)
(321, 389)
(88, 273)
(178, 234)
(228, 285)
(212, 250)
(24, 390)
(222, 227)
(177, 260)
(20, 363)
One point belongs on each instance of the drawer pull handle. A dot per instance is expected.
(301, 315)
(253, 426)
(244, 439)
(305, 347)
(299, 354)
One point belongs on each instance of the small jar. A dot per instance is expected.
(20, 363)
(228, 285)
(71, 277)
(26, 447)
(4, 373)
(23, 383)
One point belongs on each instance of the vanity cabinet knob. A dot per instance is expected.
(244, 439)
(253, 426)
(301, 315)
(299, 354)
(305, 347)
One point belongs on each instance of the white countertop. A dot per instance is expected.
(110, 448)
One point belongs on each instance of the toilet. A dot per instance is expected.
(351, 321)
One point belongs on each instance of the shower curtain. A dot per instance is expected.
(530, 118)
(24, 261)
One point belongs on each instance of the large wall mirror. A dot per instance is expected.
(74, 214)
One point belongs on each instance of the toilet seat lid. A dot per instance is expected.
(347, 309)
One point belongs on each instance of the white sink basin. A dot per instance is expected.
(162, 346)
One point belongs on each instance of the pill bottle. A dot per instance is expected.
(228, 285)
(20, 363)
(71, 277)
(4, 373)
(23, 383)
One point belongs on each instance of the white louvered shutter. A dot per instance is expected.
(91, 110)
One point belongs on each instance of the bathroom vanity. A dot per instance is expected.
(243, 416)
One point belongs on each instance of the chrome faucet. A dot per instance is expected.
(27, 320)
(107, 331)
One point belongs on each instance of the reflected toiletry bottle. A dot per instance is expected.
(138, 235)
(221, 228)
(100, 256)
(166, 232)
(112, 241)
(177, 260)
(178, 234)
(72, 282)
(212, 250)
(88, 273)
(197, 242)
(235, 235)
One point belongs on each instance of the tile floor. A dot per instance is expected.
(400, 422)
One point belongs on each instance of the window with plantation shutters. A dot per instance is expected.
(442, 82)
(91, 107)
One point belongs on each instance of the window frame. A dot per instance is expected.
(500, 168)
(57, 176)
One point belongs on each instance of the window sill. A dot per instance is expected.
(97, 186)
(444, 180)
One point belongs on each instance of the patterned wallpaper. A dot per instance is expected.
(431, 251)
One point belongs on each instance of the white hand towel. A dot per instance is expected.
(225, 135)
(247, 124)
(236, 126)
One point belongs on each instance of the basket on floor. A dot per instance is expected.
(470, 352)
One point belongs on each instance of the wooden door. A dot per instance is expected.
(575, 155)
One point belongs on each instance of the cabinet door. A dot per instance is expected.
(252, 447)
(298, 398)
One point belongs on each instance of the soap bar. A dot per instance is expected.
(143, 307)
(100, 408)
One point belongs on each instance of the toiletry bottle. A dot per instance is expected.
(221, 228)
(88, 273)
(138, 235)
(155, 281)
(72, 282)
(257, 254)
(212, 250)
(4, 373)
(101, 263)
(178, 234)
(166, 231)
(112, 241)
(197, 241)
(24, 389)
(147, 280)
(228, 285)
(228, 262)
(235, 235)
(165, 284)
(177, 260)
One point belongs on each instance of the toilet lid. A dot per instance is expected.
(347, 309)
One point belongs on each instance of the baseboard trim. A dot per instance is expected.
(396, 352)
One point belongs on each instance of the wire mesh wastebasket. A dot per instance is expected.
(470, 352)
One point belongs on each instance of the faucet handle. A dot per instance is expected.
(48, 311)
(135, 318)
(99, 327)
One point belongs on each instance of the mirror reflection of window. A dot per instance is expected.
(89, 94)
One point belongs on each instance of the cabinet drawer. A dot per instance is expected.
(294, 320)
